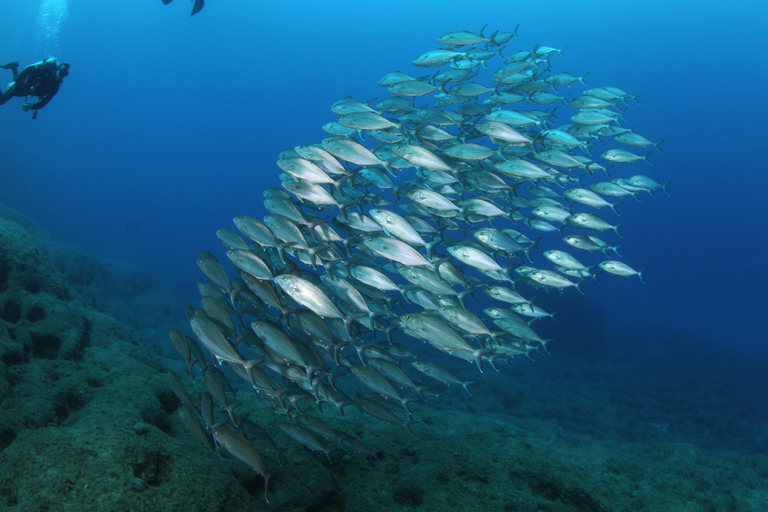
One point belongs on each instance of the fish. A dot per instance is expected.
(421, 156)
(623, 156)
(366, 121)
(515, 326)
(612, 189)
(592, 117)
(564, 259)
(436, 58)
(551, 279)
(442, 374)
(395, 225)
(241, 449)
(621, 269)
(379, 237)
(635, 139)
(464, 37)
(592, 221)
(646, 183)
(351, 151)
(373, 277)
(588, 197)
(465, 320)
(443, 337)
(306, 438)
(309, 295)
(533, 311)
(431, 199)
(474, 257)
(178, 388)
(589, 243)
(412, 88)
(248, 261)
(378, 384)
(505, 295)
(211, 337)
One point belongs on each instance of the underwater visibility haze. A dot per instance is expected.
(169, 126)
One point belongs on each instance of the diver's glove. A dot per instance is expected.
(26, 107)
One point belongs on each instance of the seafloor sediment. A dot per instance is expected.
(88, 421)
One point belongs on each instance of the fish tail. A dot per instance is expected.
(647, 155)
(479, 356)
(267, 477)
(640, 274)
(533, 245)
(466, 386)
(408, 424)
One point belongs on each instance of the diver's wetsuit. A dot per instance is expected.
(41, 79)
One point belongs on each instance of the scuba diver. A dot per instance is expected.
(41, 79)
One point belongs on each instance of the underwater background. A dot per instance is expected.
(168, 126)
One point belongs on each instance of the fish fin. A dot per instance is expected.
(614, 205)
(466, 386)
(657, 145)
(664, 187)
(544, 344)
(197, 7)
(479, 357)
(527, 250)
(436, 267)
(231, 411)
(267, 477)
(645, 157)
(640, 274)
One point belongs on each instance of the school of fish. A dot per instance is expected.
(389, 239)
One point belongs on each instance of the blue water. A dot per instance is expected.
(169, 126)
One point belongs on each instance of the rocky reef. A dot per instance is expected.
(89, 423)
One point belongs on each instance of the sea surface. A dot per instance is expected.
(168, 126)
